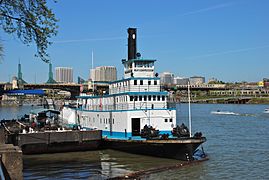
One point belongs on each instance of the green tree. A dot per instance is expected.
(31, 21)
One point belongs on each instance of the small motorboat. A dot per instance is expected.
(266, 110)
(218, 112)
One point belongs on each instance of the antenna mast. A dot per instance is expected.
(92, 74)
(189, 97)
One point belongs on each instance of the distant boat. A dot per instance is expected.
(218, 112)
(266, 110)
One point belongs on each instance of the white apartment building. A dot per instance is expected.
(104, 73)
(64, 74)
(167, 78)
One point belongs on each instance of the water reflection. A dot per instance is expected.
(92, 164)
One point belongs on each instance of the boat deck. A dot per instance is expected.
(163, 141)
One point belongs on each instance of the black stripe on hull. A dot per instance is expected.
(173, 149)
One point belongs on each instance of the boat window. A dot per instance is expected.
(131, 98)
(171, 120)
(163, 98)
(130, 65)
(140, 98)
(154, 98)
(145, 98)
(100, 121)
(155, 82)
(135, 82)
(104, 120)
(138, 64)
(165, 120)
(135, 98)
(149, 98)
(141, 82)
(113, 120)
(149, 82)
(158, 98)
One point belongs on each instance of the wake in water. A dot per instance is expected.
(218, 112)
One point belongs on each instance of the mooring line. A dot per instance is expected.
(139, 174)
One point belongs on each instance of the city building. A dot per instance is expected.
(213, 80)
(266, 82)
(20, 79)
(64, 74)
(197, 80)
(50, 80)
(14, 82)
(104, 73)
(167, 78)
(181, 81)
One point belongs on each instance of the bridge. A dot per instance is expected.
(74, 89)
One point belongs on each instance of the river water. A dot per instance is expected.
(237, 145)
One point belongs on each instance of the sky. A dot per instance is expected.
(227, 40)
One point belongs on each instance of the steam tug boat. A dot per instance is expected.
(135, 116)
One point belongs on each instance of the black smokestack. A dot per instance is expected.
(131, 43)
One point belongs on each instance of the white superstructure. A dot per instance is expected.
(132, 102)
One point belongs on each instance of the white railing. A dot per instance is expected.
(127, 106)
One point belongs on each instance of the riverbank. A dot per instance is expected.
(227, 100)
(263, 100)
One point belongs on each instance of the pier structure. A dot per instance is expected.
(11, 164)
(56, 141)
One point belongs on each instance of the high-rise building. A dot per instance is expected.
(104, 73)
(64, 74)
(20, 79)
(167, 78)
(50, 80)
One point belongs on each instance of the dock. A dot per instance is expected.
(11, 164)
(13, 144)
(56, 141)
